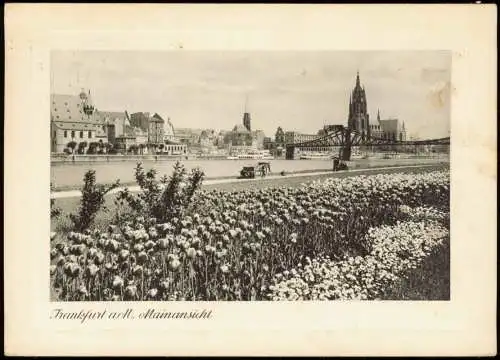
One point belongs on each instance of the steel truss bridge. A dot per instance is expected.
(344, 139)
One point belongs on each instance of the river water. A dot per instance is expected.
(70, 175)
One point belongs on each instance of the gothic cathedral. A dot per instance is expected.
(359, 119)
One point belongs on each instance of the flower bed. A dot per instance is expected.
(395, 249)
(235, 245)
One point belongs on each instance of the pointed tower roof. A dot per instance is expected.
(357, 79)
(245, 109)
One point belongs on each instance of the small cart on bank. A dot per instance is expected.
(262, 168)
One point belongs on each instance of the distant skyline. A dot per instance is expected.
(299, 91)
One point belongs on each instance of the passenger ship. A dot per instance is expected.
(252, 155)
(315, 156)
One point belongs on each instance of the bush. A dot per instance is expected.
(91, 202)
(54, 211)
(92, 148)
(164, 199)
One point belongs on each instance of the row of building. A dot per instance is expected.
(78, 126)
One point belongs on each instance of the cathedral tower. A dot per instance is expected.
(358, 115)
(246, 117)
(247, 121)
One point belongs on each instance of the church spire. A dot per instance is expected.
(378, 114)
(246, 116)
(357, 79)
(246, 104)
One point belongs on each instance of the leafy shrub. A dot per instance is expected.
(164, 199)
(92, 148)
(54, 211)
(91, 202)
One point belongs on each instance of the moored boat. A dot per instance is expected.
(315, 156)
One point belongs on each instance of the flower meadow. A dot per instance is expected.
(338, 239)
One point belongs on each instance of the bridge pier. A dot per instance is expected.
(346, 154)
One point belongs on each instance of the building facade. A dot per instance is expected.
(140, 120)
(169, 135)
(124, 143)
(74, 120)
(269, 143)
(239, 136)
(76, 124)
(175, 149)
(188, 136)
(279, 136)
(388, 129)
(65, 133)
(294, 137)
(242, 135)
(258, 137)
(156, 131)
(359, 119)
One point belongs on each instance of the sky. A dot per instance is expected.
(300, 91)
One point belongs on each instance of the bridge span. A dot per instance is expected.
(343, 140)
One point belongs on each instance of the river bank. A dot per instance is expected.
(69, 176)
(70, 201)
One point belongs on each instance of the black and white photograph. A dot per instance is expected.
(250, 179)
(250, 175)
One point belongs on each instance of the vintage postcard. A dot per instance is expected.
(221, 185)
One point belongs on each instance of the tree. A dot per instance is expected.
(81, 147)
(91, 202)
(108, 147)
(54, 211)
(165, 198)
(152, 147)
(92, 148)
(133, 149)
(72, 145)
(141, 149)
(111, 149)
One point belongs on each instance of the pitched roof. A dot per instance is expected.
(140, 114)
(68, 108)
(111, 116)
(240, 128)
(157, 118)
